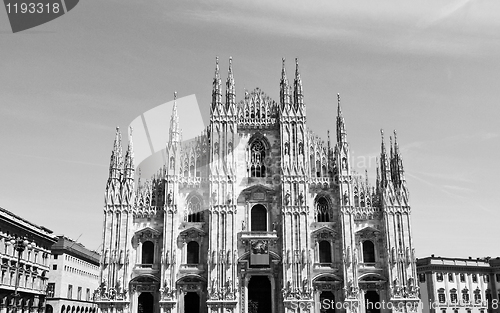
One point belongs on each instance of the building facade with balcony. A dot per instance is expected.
(257, 214)
(457, 285)
(25, 250)
(73, 278)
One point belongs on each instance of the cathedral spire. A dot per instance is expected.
(216, 88)
(284, 87)
(175, 130)
(298, 92)
(129, 158)
(341, 132)
(384, 163)
(115, 166)
(398, 177)
(230, 90)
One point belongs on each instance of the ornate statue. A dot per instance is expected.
(396, 288)
(287, 197)
(286, 291)
(259, 247)
(214, 197)
(350, 290)
(346, 198)
(106, 256)
(243, 225)
(301, 198)
(169, 198)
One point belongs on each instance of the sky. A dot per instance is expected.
(428, 69)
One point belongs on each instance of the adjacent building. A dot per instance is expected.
(73, 278)
(258, 215)
(456, 285)
(24, 249)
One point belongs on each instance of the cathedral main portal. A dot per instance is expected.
(191, 302)
(146, 303)
(259, 295)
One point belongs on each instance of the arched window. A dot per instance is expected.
(368, 252)
(194, 210)
(193, 252)
(148, 252)
(257, 157)
(325, 252)
(259, 218)
(322, 210)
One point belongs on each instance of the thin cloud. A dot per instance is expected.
(444, 13)
(384, 26)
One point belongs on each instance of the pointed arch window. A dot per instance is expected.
(194, 210)
(259, 218)
(325, 252)
(368, 251)
(193, 253)
(257, 157)
(322, 210)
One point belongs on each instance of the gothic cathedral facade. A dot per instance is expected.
(257, 215)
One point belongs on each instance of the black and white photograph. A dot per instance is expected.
(243, 156)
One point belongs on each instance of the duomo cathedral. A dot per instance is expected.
(257, 215)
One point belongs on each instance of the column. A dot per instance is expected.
(271, 280)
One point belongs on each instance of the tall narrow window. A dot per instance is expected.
(194, 210)
(322, 210)
(325, 252)
(70, 291)
(193, 252)
(439, 276)
(477, 296)
(257, 157)
(421, 278)
(465, 295)
(453, 295)
(50, 290)
(368, 252)
(259, 218)
(441, 296)
(148, 249)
